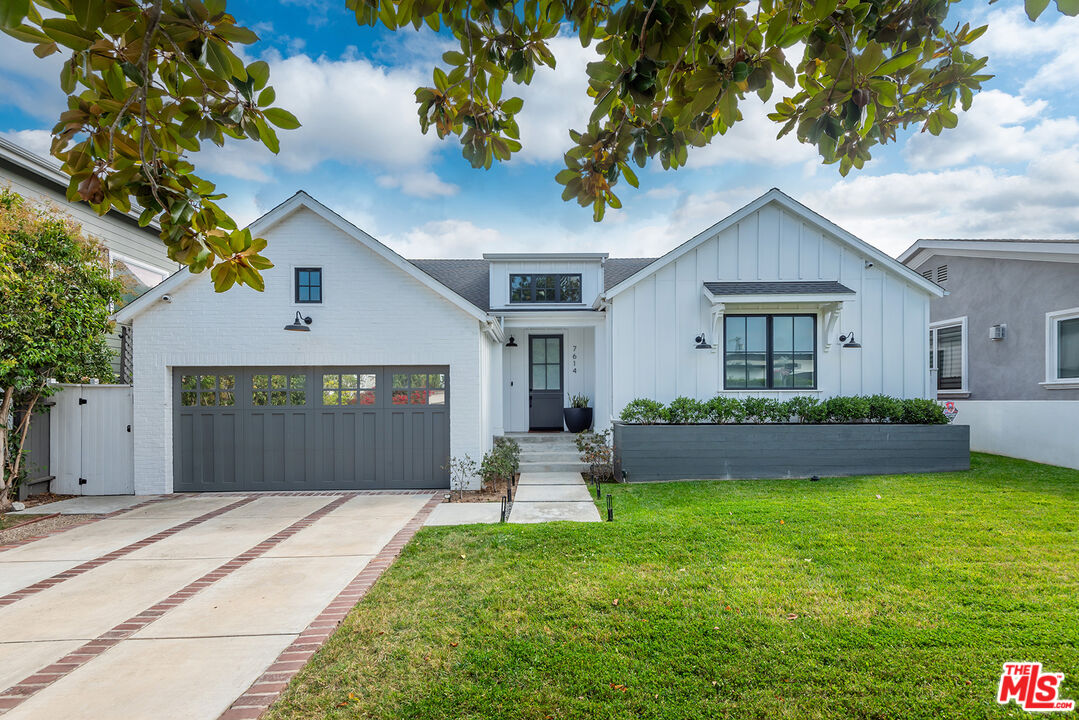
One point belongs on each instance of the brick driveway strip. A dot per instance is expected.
(115, 554)
(30, 686)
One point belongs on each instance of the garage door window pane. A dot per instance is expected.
(400, 380)
(260, 382)
(278, 382)
(331, 382)
(206, 398)
(297, 397)
(400, 397)
(331, 397)
(419, 381)
(226, 382)
(297, 382)
(226, 398)
(437, 397)
(259, 397)
(437, 381)
(279, 397)
(188, 382)
(418, 397)
(188, 398)
(367, 397)
(348, 397)
(348, 381)
(206, 382)
(367, 381)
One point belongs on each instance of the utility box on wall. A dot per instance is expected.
(92, 452)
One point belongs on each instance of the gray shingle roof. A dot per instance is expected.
(468, 278)
(615, 270)
(471, 278)
(796, 287)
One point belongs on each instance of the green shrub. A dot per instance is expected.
(800, 409)
(724, 409)
(845, 409)
(760, 409)
(885, 409)
(923, 412)
(643, 411)
(595, 449)
(510, 450)
(684, 410)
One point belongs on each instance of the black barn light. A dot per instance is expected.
(512, 342)
(849, 341)
(702, 343)
(300, 323)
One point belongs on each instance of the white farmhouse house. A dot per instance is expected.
(357, 368)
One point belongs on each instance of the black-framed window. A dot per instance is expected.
(764, 352)
(309, 285)
(545, 288)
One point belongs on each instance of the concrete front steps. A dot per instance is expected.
(548, 452)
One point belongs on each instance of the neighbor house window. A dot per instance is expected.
(948, 354)
(762, 352)
(308, 285)
(135, 277)
(1062, 348)
(548, 288)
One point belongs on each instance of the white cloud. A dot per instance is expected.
(891, 211)
(28, 82)
(451, 238)
(556, 101)
(753, 140)
(36, 141)
(998, 128)
(423, 184)
(1053, 41)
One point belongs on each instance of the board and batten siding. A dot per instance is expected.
(373, 314)
(653, 323)
(121, 235)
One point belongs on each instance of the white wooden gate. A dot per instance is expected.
(92, 450)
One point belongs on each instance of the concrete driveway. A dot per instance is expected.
(192, 606)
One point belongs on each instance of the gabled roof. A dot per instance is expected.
(784, 201)
(1046, 250)
(794, 287)
(302, 200)
(615, 270)
(469, 278)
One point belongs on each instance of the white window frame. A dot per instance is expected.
(1053, 381)
(114, 256)
(964, 349)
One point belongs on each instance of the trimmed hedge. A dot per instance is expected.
(840, 409)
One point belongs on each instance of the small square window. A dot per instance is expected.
(309, 285)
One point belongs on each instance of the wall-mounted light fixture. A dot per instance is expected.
(849, 341)
(702, 343)
(512, 342)
(300, 323)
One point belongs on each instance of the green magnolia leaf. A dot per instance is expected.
(281, 118)
(259, 73)
(68, 33)
(1035, 8)
(1068, 7)
(88, 13)
(12, 13)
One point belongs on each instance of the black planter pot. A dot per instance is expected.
(578, 419)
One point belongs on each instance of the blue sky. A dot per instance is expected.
(1010, 169)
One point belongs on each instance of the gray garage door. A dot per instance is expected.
(324, 428)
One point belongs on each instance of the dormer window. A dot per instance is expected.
(545, 288)
(308, 285)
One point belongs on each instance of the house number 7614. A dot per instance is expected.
(573, 357)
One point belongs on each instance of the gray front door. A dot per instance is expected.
(545, 382)
(324, 428)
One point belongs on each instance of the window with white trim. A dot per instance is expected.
(948, 354)
(135, 276)
(1062, 347)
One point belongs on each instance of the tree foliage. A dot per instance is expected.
(149, 80)
(56, 291)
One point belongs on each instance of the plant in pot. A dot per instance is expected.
(578, 415)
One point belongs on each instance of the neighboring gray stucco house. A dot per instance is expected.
(1005, 340)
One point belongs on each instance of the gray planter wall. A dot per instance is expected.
(695, 452)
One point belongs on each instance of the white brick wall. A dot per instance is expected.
(372, 314)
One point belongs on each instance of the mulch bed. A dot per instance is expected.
(23, 531)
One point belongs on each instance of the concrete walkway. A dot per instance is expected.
(550, 496)
(194, 607)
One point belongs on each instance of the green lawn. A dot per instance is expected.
(870, 597)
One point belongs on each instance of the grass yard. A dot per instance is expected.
(9, 519)
(870, 597)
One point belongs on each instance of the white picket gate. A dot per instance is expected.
(92, 452)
